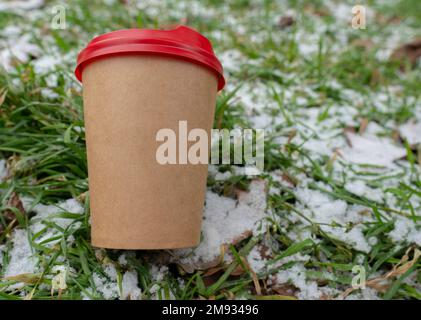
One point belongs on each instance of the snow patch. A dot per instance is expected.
(224, 222)
(129, 284)
(371, 150)
(406, 231)
(22, 259)
(411, 132)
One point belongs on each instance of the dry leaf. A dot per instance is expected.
(26, 278)
(212, 271)
(8, 215)
(363, 43)
(408, 52)
(285, 290)
(254, 277)
(400, 268)
(285, 22)
(238, 271)
(3, 93)
(289, 179)
(363, 125)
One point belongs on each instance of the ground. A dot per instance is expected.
(339, 200)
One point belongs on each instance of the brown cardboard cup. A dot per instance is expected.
(137, 203)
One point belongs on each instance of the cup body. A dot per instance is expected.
(137, 203)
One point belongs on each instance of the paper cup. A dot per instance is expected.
(135, 202)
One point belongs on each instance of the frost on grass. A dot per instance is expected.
(52, 213)
(20, 5)
(106, 284)
(333, 217)
(257, 258)
(18, 47)
(157, 290)
(296, 275)
(225, 221)
(22, 257)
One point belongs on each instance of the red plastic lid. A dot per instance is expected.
(182, 42)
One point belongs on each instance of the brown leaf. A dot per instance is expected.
(316, 11)
(347, 139)
(265, 252)
(289, 179)
(285, 290)
(238, 271)
(363, 125)
(400, 268)
(408, 52)
(160, 257)
(285, 22)
(3, 93)
(363, 43)
(27, 278)
(254, 277)
(212, 271)
(8, 214)
(211, 279)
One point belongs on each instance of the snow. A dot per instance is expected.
(19, 48)
(411, 132)
(360, 188)
(158, 272)
(3, 169)
(107, 285)
(17, 5)
(219, 176)
(122, 259)
(49, 213)
(130, 289)
(48, 93)
(296, 275)
(256, 261)
(22, 259)
(371, 150)
(232, 60)
(45, 64)
(224, 222)
(406, 231)
(11, 31)
(322, 209)
(364, 294)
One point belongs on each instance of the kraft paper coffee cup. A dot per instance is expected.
(135, 83)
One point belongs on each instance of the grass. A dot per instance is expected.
(43, 142)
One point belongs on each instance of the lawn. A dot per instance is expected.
(336, 214)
